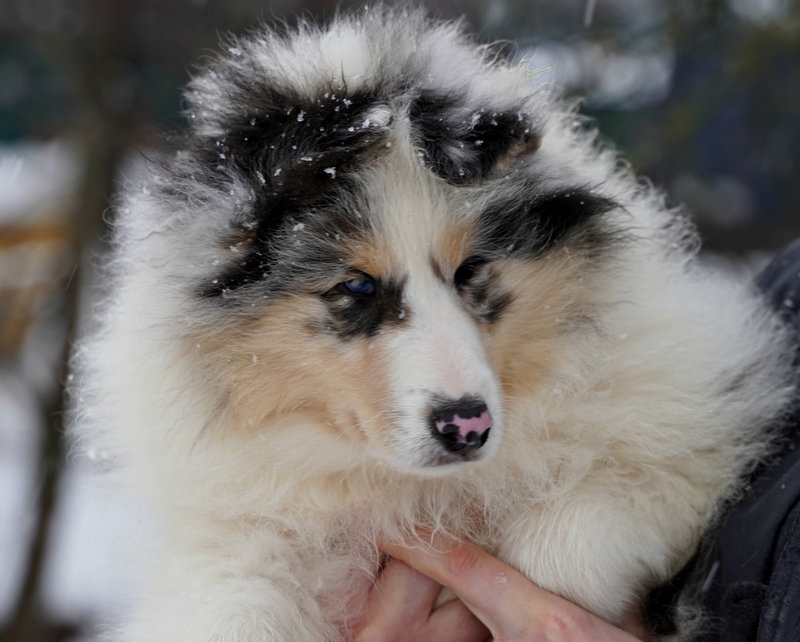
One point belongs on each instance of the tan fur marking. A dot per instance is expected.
(279, 366)
(452, 247)
(374, 257)
(549, 298)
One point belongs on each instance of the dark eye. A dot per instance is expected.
(360, 286)
(467, 269)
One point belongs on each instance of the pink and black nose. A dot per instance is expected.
(462, 425)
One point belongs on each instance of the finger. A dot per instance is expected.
(633, 623)
(400, 607)
(399, 598)
(454, 621)
(402, 589)
(492, 590)
(507, 602)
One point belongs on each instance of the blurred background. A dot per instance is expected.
(703, 97)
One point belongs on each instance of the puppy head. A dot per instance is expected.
(370, 239)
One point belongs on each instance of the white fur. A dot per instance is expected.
(601, 481)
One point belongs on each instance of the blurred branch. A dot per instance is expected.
(103, 136)
(102, 157)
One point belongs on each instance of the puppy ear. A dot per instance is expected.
(463, 145)
(235, 85)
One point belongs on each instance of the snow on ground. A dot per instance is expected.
(93, 526)
(18, 446)
(86, 575)
(35, 176)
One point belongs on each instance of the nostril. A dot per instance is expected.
(473, 436)
(461, 425)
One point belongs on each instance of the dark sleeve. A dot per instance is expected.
(750, 581)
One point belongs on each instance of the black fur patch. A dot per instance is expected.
(530, 228)
(285, 145)
(466, 271)
(364, 316)
(305, 243)
(296, 159)
(461, 145)
(476, 284)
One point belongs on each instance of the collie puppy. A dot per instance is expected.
(388, 280)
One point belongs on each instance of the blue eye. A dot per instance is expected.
(361, 286)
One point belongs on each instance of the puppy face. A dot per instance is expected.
(391, 262)
(388, 346)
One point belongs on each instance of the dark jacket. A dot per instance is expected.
(750, 578)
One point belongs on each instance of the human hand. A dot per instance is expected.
(496, 602)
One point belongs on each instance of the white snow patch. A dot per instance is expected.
(19, 442)
(36, 178)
